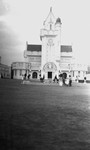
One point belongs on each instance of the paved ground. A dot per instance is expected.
(44, 117)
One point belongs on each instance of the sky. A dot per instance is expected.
(21, 21)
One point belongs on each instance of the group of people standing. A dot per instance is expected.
(67, 81)
(63, 80)
(25, 76)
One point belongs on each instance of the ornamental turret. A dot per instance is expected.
(58, 23)
(50, 21)
(48, 25)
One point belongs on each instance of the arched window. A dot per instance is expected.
(34, 75)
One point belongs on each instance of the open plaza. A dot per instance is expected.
(41, 116)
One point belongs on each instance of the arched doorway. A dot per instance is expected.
(34, 75)
(49, 68)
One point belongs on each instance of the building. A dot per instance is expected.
(51, 58)
(88, 74)
(18, 69)
(5, 70)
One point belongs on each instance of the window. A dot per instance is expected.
(34, 75)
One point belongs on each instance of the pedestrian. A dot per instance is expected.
(67, 81)
(22, 79)
(70, 80)
(28, 76)
(25, 75)
(60, 81)
(85, 79)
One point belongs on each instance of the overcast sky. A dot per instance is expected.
(21, 21)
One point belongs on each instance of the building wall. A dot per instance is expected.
(5, 71)
(50, 50)
(19, 69)
(79, 71)
(65, 65)
(51, 59)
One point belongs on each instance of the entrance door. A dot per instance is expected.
(34, 75)
(50, 75)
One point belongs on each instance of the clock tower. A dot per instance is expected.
(50, 36)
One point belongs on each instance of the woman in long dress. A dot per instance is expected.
(67, 81)
(60, 81)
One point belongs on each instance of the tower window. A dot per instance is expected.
(50, 26)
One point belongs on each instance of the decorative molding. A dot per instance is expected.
(50, 66)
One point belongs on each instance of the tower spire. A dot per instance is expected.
(50, 20)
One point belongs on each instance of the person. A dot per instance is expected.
(55, 79)
(42, 78)
(67, 81)
(25, 75)
(22, 78)
(1, 75)
(85, 79)
(63, 79)
(28, 76)
(77, 79)
(60, 81)
(70, 80)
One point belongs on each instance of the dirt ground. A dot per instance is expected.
(44, 117)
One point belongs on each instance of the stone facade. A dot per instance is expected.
(5, 70)
(18, 69)
(51, 58)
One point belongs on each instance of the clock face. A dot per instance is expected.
(50, 42)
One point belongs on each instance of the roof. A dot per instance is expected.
(4, 65)
(66, 48)
(50, 18)
(33, 47)
(58, 20)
